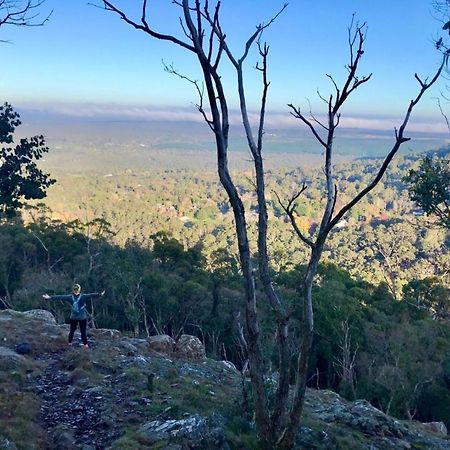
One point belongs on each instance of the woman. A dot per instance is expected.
(78, 315)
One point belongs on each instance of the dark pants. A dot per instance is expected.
(73, 327)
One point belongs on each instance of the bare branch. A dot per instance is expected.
(321, 97)
(289, 209)
(189, 36)
(313, 117)
(399, 140)
(338, 92)
(144, 26)
(259, 29)
(200, 91)
(296, 112)
(22, 13)
(442, 112)
(422, 84)
(263, 51)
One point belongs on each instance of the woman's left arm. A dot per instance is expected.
(94, 295)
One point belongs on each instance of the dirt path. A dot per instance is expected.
(72, 417)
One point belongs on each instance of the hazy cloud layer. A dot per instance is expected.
(273, 119)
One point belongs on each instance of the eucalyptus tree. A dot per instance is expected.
(203, 36)
(429, 188)
(20, 177)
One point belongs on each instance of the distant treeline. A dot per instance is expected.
(384, 238)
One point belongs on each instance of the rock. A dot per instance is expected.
(9, 359)
(140, 361)
(229, 366)
(23, 348)
(192, 432)
(63, 438)
(95, 391)
(6, 352)
(161, 343)
(192, 428)
(41, 314)
(106, 333)
(438, 428)
(360, 415)
(128, 347)
(7, 444)
(6, 314)
(73, 391)
(190, 347)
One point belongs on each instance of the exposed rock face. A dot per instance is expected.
(194, 430)
(41, 314)
(162, 344)
(229, 366)
(190, 347)
(7, 444)
(187, 347)
(7, 353)
(380, 431)
(438, 428)
(360, 414)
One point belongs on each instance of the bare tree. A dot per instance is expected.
(324, 133)
(203, 36)
(22, 13)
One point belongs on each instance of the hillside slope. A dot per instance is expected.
(127, 393)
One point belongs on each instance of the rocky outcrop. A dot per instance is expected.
(193, 431)
(437, 428)
(40, 314)
(190, 347)
(161, 344)
(369, 427)
(186, 347)
(154, 393)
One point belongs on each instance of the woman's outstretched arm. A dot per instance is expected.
(57, 297)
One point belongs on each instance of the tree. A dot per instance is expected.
(207, 41)
(21, 13)
(429, 187)
(20, 178)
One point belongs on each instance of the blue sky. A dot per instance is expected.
(87, 61)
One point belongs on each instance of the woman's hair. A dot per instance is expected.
(76, 287)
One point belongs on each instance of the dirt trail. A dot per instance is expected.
(73, 417)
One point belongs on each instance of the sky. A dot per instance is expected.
(87, 62)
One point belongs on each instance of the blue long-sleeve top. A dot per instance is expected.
(78, 303)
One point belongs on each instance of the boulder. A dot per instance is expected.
(106, 333)
(193, 428)
(41, 314)
(229, 366)
(438, 428)
(8, 354)
(190, 347)
(63, 437)
(161, 343)
(359, 415)
(7, 444)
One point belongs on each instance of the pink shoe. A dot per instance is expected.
(86, 345)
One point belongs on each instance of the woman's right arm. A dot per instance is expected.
(57, 297)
